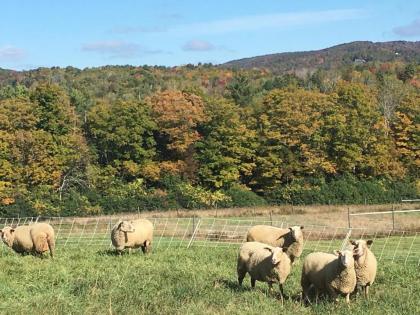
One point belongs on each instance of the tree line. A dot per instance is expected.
(104, 140)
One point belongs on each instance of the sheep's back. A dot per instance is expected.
(267, 234)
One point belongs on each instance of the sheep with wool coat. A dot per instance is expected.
(333, 274)
(36, 238)
(263, 263)
(365, 264)
(132, 234)
(290, 238)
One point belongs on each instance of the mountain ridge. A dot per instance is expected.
(331, 57)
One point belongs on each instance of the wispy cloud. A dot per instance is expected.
(198, 45)
(137, 29)
(11, 53)
(119, 49)
(273, 21)
(409, 30)
(171, 16)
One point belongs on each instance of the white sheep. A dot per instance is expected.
(132, 234)
(328, 273)
(365, 264)
(35, 238)
(291, 238)
(263, 263)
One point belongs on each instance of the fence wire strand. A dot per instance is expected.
(390, 245)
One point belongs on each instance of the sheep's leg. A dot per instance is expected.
(270, 287)
(253, 283)
(241, 270)
(281, 293)
(241, 276)
(366, 291)
(332, 293)
(348, 298)
(146, 248)
(51, 245)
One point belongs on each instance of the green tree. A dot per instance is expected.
(122, 135)
(240, 89)
(226, 151)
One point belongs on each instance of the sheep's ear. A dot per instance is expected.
(301, 227)
(353, 242)
(337, 252)
(290, 229)
(369, 242)
(269, 249)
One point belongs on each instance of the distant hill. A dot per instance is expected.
(333, 57)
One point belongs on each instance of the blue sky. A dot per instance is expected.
(93, 33)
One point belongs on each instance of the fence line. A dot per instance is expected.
(390, 245)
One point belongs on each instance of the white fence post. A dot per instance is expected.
(194, 233)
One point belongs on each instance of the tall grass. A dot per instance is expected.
(174, 281)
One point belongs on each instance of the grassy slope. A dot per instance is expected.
(173, 281)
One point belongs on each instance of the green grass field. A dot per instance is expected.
(198, 280)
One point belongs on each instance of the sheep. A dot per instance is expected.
(36, 238)
(291, 238)
(365, 264)
(329, 273)
(263, 263)
(132, 234)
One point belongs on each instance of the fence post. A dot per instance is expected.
(194, 233)
(393, 217)
(271, 217)
(348, 216)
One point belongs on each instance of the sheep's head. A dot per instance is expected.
(345, 257)
(277, 253)
(359, 247)
(8, 235)
(126, 226)
(296, 232)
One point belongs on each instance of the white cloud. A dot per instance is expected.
(198, 45)
(118, 49)
(274, 21)
(137, 29)
(11, 53)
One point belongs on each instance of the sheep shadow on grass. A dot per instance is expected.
(113, 252)
(230, 284)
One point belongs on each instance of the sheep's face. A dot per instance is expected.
(346, 258)
(359, 247)
(277, 253)
(126, 226)
(8, 236)
(296, 232)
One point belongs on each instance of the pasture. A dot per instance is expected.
(196, 280)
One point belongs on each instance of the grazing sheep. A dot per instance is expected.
(36, 238)
(291, 238)
(364, 263)
(329, 273)
(263, 263)
(132, 234)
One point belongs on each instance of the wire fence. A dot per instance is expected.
(390, 245)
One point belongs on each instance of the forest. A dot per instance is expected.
(126, 138)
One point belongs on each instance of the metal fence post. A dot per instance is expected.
(194, 233)
(393, 217)
(348, 216)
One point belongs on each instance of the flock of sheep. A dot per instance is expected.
(267, 256)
